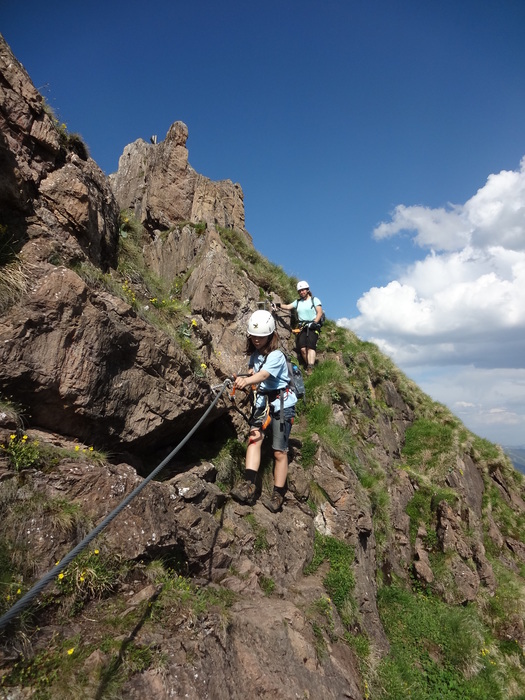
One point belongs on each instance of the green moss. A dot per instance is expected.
(339, 581)
(423, 505)
(267, 585)
(268, 276)
(425, 441)
(437, 651)
(261, 541)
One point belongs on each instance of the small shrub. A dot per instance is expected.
(320, 644)
(322, 607)
(318, 496)
(75, 143)
(92, 574)
(21, 452)
(308, 451)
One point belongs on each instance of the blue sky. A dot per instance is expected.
(379, 146)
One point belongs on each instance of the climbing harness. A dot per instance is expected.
(232, 398)
(38, 587)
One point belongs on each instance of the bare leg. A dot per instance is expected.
(253, 452)
(305, 356)
(281, 468)
(311, 357)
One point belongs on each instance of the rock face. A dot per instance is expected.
(66, 346)
(88, 365)
(158, 184)
(86, 362)
(47, 192)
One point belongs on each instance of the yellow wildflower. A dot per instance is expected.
(70, 651)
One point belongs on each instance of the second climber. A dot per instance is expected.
(309, 314)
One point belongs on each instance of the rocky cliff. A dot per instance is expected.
(123, 305)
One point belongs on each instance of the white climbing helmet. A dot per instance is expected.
(302, 285)
(261, 323)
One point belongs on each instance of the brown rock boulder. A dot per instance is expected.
(83, 360)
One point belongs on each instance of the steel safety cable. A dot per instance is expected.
(63, 563)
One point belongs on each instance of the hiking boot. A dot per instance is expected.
(274, 503)
(244, 492)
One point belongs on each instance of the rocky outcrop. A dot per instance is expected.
(48, 193)
(158, 184)
(85, 362)
(276, 652)
(74, 355)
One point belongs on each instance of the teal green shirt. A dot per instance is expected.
(306, 310)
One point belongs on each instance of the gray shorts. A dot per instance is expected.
(280, 437)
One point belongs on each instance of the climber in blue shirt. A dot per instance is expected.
(274, 404)
(310, 314)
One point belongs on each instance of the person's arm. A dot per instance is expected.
(257, 378)
(285, 306)
(319, 313)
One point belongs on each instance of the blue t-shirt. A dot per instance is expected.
(305, 310)
(275, 364)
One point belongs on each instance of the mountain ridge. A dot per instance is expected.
(124, 301)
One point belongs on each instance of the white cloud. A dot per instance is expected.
(495, 215)
(464, 303)
(439, 228)
(497, 211)
(490, 402)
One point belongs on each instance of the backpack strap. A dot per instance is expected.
(276, 393)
